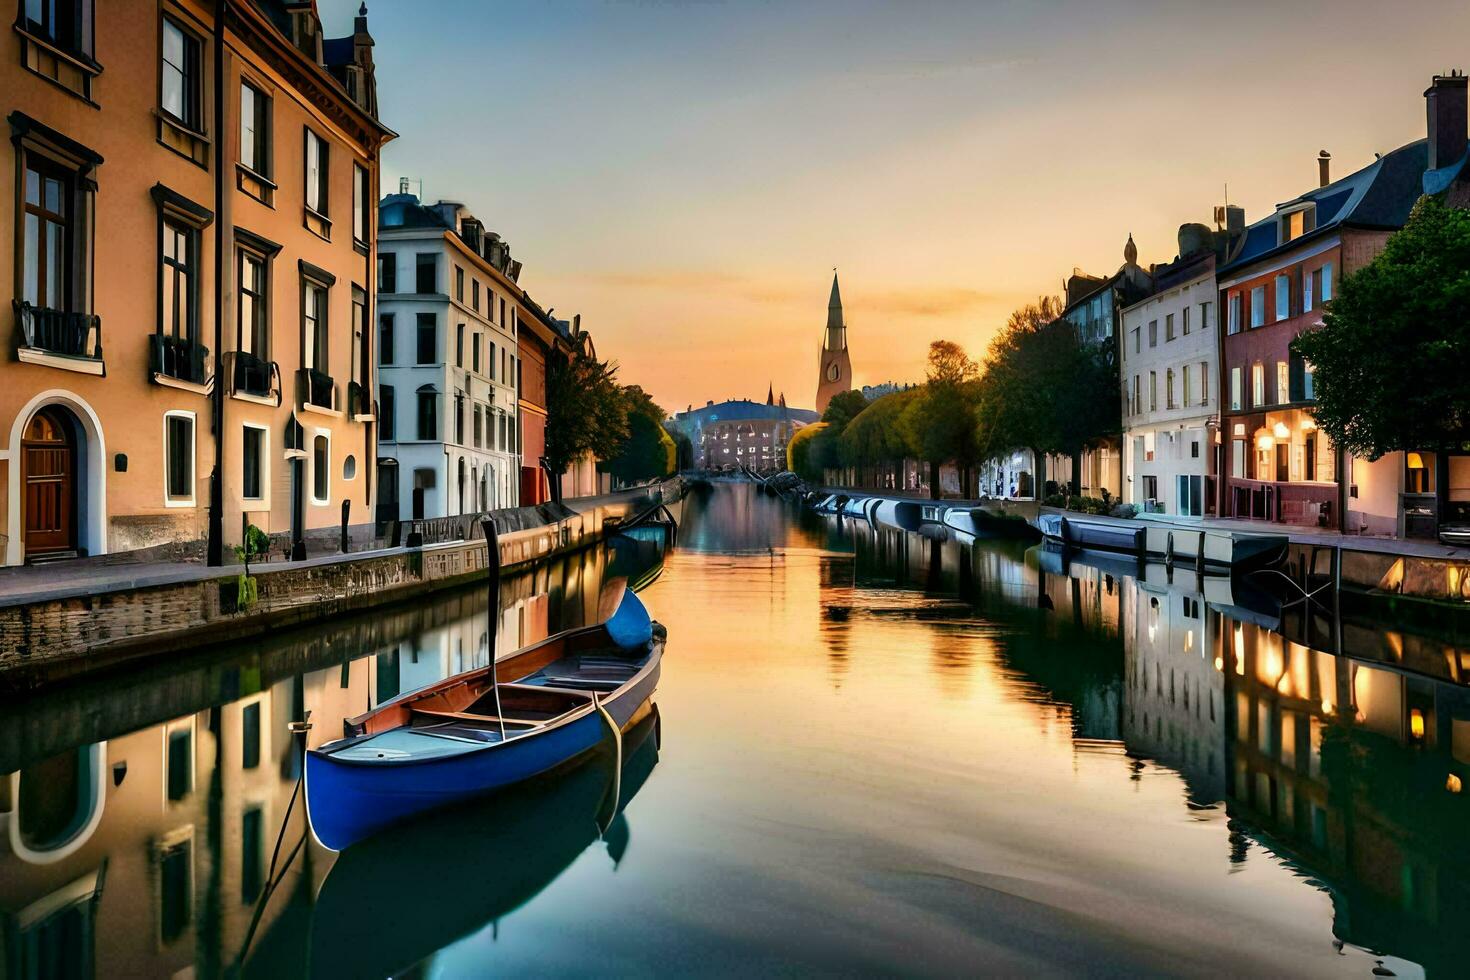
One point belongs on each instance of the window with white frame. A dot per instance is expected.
(1309, 290)
(1204, 383)
(317, 159)
(1258, 384)
(321, 468)
(1283, 383)
(1234, 313)
(1188, 388)
(1258, 307)
(1235, 393)
(1283, 297)
(254, 461)
(178, 456)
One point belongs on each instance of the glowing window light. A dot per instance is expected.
(1281, 431)
(1452, 783)
(1416, 724)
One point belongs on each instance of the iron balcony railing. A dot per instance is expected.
(317, 388)
(60, 331)
(178, 357)
(359, 399)
(253, 375)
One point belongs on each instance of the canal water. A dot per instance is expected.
(872, 753)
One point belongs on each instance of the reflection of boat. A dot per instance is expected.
(1241, 551)
(413, 890)
(637, 554)
(468, 735)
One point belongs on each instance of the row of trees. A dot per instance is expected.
(1041, 387)
(589, 412)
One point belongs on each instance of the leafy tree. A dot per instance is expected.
(1388, 363)
(939, 423)
(647, 451)
(586, 411)
(843, 408)
(805, 451)
(874, 443)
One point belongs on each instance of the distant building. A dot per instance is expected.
(872, 393)
(835, 366)
(1169, 369)
(735, 433)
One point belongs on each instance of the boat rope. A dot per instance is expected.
(617, 785)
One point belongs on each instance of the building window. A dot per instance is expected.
(65, 23)
(360, 207)
(1188, 388)
(492, 360)
(428, 414)
(1233, 312)
(314, 326)
(1204, 316)
(385, 338)
(255, 129)
(1283, 297)
(1258, 384)
(254, 461)
(477, 427)
(317, 168)
(1137, 394)
(1258, 307)
(252, 848)
(1169, 388)
(178, 454)
(1204, 383)
(1325, 277)
(359, 370)
(428, 338)
(180, 75)
(1237, 458)
(476, 351)
(1153, 333)
(475, 294)
(1184, 321)
(253, 321)
(459, 419)
(1153, 391)
(46, 264)
(1235, 392)
(250, 735)
(175, 890)
(426, 273)
(1137, 340)
(180, 263)
(1309, 290)
(1168, 327)
(1309, 388)
(458, 284)
(1283, 383)
(321, 469)
(387, 272)
(386, 413)
(459, 346)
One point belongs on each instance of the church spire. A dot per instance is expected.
(770, 394)
(836, 338)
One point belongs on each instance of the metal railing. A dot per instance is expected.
(60, 331)
(252, 375)
(178, 357)
(316, 388)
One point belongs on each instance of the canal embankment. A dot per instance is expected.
(63, 626)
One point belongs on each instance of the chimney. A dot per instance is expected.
(1444, 103)
(1234, 220)
(403, 185)
(1324, 168)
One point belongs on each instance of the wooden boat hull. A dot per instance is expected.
(350, 801)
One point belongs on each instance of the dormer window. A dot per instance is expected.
(1297, 222)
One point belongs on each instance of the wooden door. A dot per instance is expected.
(49, 475)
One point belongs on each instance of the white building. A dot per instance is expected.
(1169, 372)
(447, 363)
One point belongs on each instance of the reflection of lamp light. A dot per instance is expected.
(1219, 664)
(1326, 707)
(1452, 783)
(1416, 724)
(1281, 431)
(1239, 648)
(1414, 461)
(1265, 443)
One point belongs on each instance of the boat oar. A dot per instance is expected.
(617, 786)
(492, 565)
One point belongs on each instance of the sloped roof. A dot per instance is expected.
(742, 410)
(1379, 195)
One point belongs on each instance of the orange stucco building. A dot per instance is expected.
(190, 233)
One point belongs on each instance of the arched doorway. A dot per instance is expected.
(49, 484)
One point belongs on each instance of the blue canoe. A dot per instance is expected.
(446, 743)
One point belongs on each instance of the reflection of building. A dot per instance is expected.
(735, 433)
(1276, 286)
(141, 364)
(447, 362)
(1175, 711)
(1169, 347)
(834, 364)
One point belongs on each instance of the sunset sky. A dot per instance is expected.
(686, 175)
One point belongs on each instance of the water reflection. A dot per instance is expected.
(148, 813)
(894, 754)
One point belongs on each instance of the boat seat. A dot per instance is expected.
(586, 683)
(462, 717)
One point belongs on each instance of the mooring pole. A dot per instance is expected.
(492, 567)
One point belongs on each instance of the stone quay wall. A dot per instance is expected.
(53, 637)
